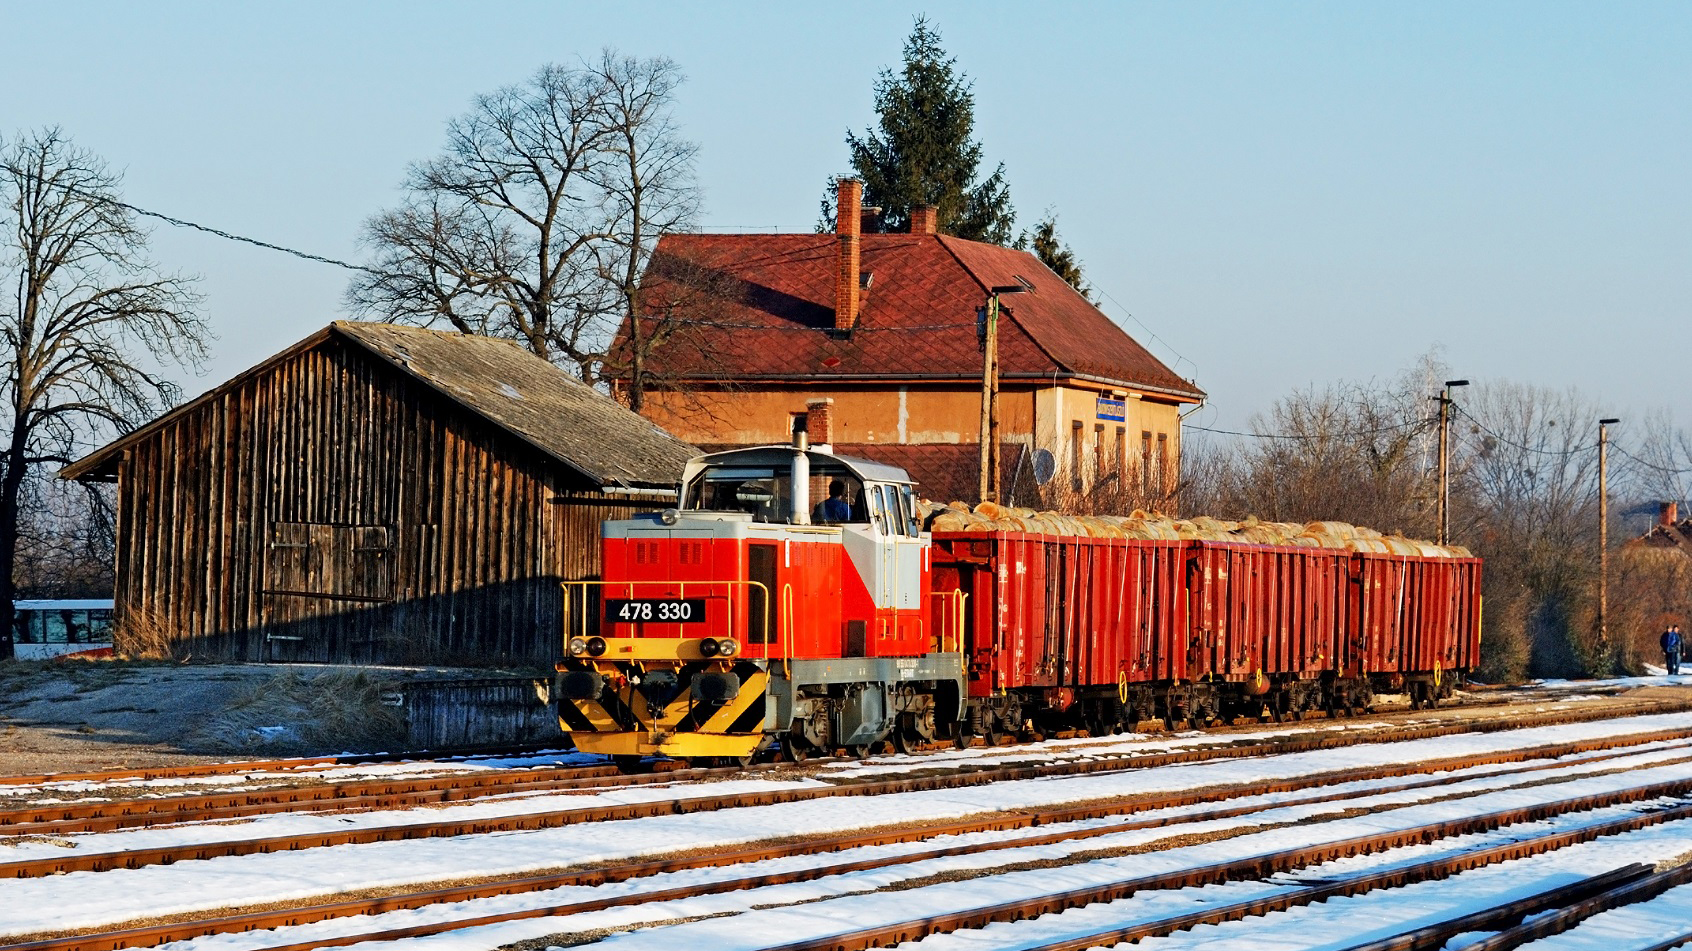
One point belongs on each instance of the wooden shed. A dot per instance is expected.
(375, 494)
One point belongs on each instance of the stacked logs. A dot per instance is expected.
(991, 517)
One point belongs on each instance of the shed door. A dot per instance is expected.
(314, 570)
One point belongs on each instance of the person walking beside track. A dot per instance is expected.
(1671, 649)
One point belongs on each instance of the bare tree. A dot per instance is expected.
(652, 190)
(1350, 452)
(1527, 475)
(536, 221)
(88, 315)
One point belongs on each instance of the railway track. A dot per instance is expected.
(60, 819)
(301, 768)
(1326, 788)
(1253, 867)
(141, 857)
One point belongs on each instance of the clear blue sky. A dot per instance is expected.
(1283, 193)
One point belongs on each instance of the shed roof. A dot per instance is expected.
(767, 300)
(521, 394)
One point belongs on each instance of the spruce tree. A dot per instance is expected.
(923, 153)
(1046, 245)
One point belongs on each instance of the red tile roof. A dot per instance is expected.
(763, 306)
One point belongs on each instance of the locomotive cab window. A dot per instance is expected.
(761, 492)
(837, 497)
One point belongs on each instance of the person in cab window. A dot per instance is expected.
(835, 508)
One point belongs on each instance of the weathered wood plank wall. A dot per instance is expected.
(335, 510)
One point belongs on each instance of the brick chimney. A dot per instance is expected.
(1670, 514)
(819, 424)
(925, 219)
(848, 201)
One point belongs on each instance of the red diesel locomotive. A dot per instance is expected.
(746, 620)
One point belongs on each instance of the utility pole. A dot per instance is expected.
(1444, 399)
(1604, 534)
(990, 391)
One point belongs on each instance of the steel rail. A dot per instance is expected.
(111, 815)
(1262, 866)
(254, 921)
(1561, 920)
(209, 770)
(139, 858)
(1506, 915)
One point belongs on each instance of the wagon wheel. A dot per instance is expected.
(794, 749)
(904, 739)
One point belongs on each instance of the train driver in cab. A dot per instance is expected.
(834, 509)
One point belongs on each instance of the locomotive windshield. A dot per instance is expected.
(766, 493)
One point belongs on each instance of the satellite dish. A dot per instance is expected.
(1044, 466)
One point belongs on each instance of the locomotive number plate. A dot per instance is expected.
(660, 610)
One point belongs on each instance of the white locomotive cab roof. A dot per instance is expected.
(780, 456)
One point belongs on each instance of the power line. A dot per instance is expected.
(1650, 465)
(184, 223)
(1318, 436)
(1516, 445)
(1141, 324)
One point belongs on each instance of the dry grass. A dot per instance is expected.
(330, 709)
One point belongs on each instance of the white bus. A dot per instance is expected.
(46, 629)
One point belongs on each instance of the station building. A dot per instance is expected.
(755, 327)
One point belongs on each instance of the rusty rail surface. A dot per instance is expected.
(1261, 866)
(1557, 922)
(111, 815)
(147, 936)
(1506, 915)
(197, 770)
(139, 858)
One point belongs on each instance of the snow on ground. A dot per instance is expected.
(747, 920)
(1669, 915)
(65, 901)
(1339, 923)
(864, 811)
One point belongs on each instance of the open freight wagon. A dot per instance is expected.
(1113, 631)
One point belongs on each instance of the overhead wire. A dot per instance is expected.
(1408, 424)
(1650, 465)
(1516, 445)
(184, 223)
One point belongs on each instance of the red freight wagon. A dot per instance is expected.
(1265, 622)
(1416, 619)
(1065, 626)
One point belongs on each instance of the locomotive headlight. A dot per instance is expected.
(578, 646)
(595, 646)
(708, 648)
(669, 516)
(727, 647)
